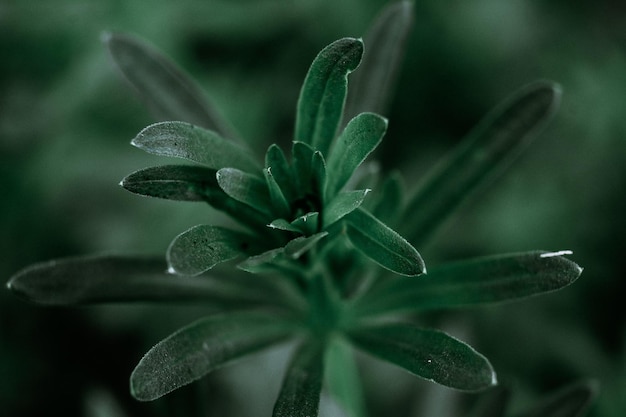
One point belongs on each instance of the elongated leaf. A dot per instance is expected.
(202, 247)
(172, 182)
(492, 404)
(279, 202)
(308, 223)
(486, 151)
(184, 140)
(478, 281)
(300, 393)
(372, 85)
(382, 245)
(203, 346)
(389, 202)
(356, 142)
(282, 224)
(323, 94)
(245, 188)
(343, 204)
(170, 93)
(318, 174)
(276, 161)
(298, 246)
(343, 379)
(571, 401)
(430, 354)
(302, 157)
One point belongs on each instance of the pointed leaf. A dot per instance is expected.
(571, 401)
(307, 223)
(202, 347)
(172, 182)
(372, 85)
(322, 97)
(343, 204)
(302, 157)
(383, 245)
(486, 151)
(279, 202)
(300, 393)
(202, 247)
(170, 93)
(257, 263)
(356, 142)
(478, 281)
(282, 224)
(430, 354)
(343, 379)
(184, 140)
(275, 160)
(298, 246)
(245, 188)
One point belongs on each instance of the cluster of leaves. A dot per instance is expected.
(310, 224)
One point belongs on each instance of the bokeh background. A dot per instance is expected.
(66, 119)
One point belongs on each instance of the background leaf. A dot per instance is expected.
(571, 401)
(343, 378)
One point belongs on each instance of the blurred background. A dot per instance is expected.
(67, 117)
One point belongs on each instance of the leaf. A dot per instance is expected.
(430, 354)
(276, 161)
(282, 224)
(484, 153)
(343, 204)
(382, 245)
(477, 281)
(302, 157)
(372, 85)
(343, 379)
(245, 188)
(389, 202)
(298, 246)
(492, 404)
(318, 174)
(202, 347)
(172, 182)
(571, 401)
(356, 142)
(170, 93)
(202, 247)
(308, 223)
(300, 392)
(279, 202)
(322, 97)
(184, 140)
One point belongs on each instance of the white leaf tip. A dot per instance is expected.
(558, 253)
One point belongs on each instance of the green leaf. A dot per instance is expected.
(170, 93)
(300, 393)
(172, 182)
(245, 188)
(298, 246)
(343, 379)
(571, 401)
(383, 245)
(356, 142)
(302, 157)
(430, 354)
(184, 140)
(372, 85)
(343, 204)
(486, 151)
(477, 281)
(318, 174)
(282, 224)
(308, 223)
(275, 160)
(202, 347)
(492, 404)
(279, 202)
(389, 202)
(202, 247)
(323, 94)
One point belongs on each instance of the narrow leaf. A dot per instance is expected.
(170, 93)
(383, 245)
(360, 137)
(343, 204)
(202, 247)
(302, 157)
(478, 281)
(389, 202)
(172, 182)
(571, 401)
(300, 245)
(276, 161)
(184, 140)
(372, 85)
(307, 223)
(279, 202)
(344, 382)
(245, 188)
(323, 94)
(202, 347)
(282, 224)
(318, 175)
(486, 151)
(430, 354)
(300, 393)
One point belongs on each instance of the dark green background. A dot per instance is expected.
(66, 119)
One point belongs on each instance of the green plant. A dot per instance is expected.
(310, 227)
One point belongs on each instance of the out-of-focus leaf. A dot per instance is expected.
(245, 188)
(172, 182)
(276, 161)
(372, 85)
(343, 380)
(202, 247)
(323, 94)
(492, 403)
(356, 142)
(308, 223)
(383, 245)
(478, 281)
(302, 385)
(389, 202)
(170, 93)
(571, 401)
(184, 140)
(430, 354)
(201, 347)
(343, 204)
(486, 151)
(302, 157)
(298, 246)
(279, 202)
